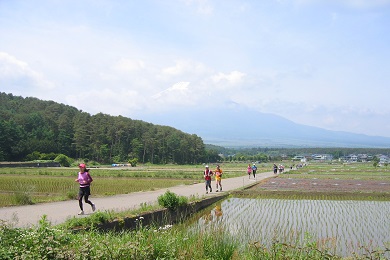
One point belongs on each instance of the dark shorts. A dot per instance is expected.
(84, 191)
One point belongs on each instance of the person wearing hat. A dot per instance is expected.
(85, 180)
(207, 177)
(254, 169)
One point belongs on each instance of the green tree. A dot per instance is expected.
(133, 162)
(63, 160)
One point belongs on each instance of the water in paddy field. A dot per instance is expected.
(341, 226)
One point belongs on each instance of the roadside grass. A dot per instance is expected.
(47, 242)
(101, 217)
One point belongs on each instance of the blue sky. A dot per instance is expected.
(321, 63)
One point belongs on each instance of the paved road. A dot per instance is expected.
(59, 212)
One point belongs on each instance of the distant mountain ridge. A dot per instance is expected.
(238, 126)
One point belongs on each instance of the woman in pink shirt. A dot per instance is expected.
(249, 170)
(84, 179)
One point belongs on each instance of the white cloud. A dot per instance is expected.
(204, 7)
(180, 87)
(17, 73)
(128, 65)
(110, 101)
(178, 69)
(183, 67)
(233, 77)
(177, 96)
(361, 4)
(358, 4)
(139, 58)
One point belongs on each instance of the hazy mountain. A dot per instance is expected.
(242, 127)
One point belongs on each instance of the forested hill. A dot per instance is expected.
(29, 125)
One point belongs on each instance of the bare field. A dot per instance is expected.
(335, 181)
(324, 185)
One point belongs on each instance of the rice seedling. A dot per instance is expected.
(333, 224)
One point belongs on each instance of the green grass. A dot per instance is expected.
(47, 242)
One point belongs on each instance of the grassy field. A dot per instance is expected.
(19, 186)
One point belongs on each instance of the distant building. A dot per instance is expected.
(383, 159)
(299, 158)
(322, 157)
(364, 157)
(350, 158)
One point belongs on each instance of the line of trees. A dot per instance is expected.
(31, 126)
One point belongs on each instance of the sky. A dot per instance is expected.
(323, 63)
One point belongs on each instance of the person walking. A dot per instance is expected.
(218, 177)
(249, 171)
(254, 169)
(275, 169)
(207, 177)
(85, 180)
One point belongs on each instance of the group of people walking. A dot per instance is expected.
(218, 178)
(85, 180)
(280, 168)
(252, 170)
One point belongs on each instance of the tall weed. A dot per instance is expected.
(22, 194)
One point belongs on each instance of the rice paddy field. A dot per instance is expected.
(339, 227)
(344, 208)
(358, 181)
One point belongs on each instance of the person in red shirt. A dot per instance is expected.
(207, 176)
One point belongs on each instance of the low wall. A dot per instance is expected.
(29, 164)
(160, 217)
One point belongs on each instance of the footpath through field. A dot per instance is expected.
(59, 212)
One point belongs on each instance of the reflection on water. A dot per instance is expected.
(343, 226)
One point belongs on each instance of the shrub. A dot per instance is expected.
(133, 162)
(171, 201)
(33, 156)
(22, 194)
(64, 160)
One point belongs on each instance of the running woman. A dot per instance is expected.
(85, 180)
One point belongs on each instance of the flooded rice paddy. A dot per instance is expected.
(342, 227)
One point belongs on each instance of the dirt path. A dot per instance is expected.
(58, 212)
